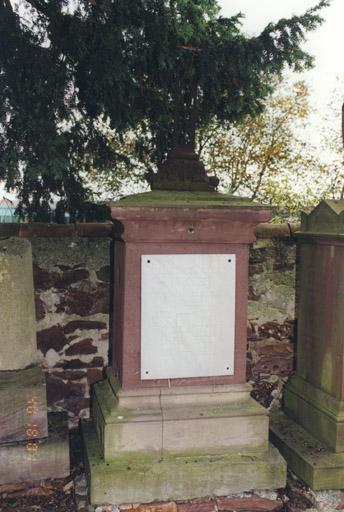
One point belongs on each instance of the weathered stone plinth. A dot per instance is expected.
(23, 403)
(17, 312)
(177, 478)
(317, 411)
(153, 444)
(37, 459)
(310, 459)
(28, 448)
(314, 398)
(182, 421)
(174, 418)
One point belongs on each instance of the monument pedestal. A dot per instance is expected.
(311, 433)
(174, 418)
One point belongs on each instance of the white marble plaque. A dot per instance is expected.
(187, 315)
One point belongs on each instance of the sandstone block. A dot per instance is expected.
(36, 460)
(76, 364)
(9, 229)
(73, 276)
(275, 330)
(52, 337)
(89, 299)
(44, 279)
(41, 229)
(274, 366)
(40, 308)
(84, 325)
(57, 389)
(103, 274)
(198, 505)
(22, 405)
(169, 506)
(82, 347)
(94, 229)
(17, 313)
(255, 503)
(94, 375)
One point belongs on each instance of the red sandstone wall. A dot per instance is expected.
(72, 274)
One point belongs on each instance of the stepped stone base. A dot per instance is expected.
(37, 459)
(177, 478)
(311, 460)
(154, 423)
(156, 444)
(317, 411)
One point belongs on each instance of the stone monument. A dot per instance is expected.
(32, 445)
(310, 434)
(174, 418)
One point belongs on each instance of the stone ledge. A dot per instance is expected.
(94, 229)
(267, 230)
(106, 229)
(9, 229)
(40, 229)
(51, 230)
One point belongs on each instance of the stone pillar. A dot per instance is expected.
(22, 383)
(311, 433)
(175, 407)
(17, 312)
(26, 452)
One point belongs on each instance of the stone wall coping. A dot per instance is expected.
(105, 229)
(51, 230)
(285, 230)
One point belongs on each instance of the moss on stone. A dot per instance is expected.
(32, 376)
(274, 284)
(189, 199)
(317, 411)
(179, 477)
(326, 219)
(93, 252)
(319, 467)
(261, 313)
(4, 275)
(272, 251)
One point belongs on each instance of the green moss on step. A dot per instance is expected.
(189, 199)
(180, 478)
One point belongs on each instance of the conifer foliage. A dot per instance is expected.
(69, 68)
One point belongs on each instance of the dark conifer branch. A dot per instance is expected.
(116, 61)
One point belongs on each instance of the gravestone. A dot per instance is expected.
(174, 418)
(17, 312)
(33, 445)
(310, 434)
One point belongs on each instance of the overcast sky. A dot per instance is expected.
(326, 43)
